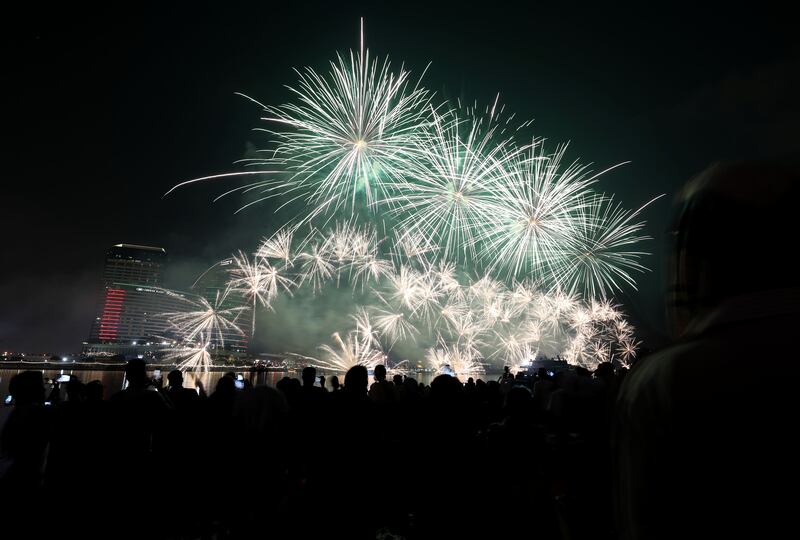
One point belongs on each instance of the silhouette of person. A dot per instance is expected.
(507, 375)
(700, 450)
(140, 419)
(381, 391)
(182, 398)
(25, 436)
(24, 439)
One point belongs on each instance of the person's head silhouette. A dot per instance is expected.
(136, 373)
(380, 373)
(731, 220)
(94, 391)
(175, 378)
(356, 380)
(27, 388)
(309, 376)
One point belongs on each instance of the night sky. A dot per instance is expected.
(109, 109)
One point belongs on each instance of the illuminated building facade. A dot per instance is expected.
(130, 321)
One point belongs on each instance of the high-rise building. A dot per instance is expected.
(129, 263)
(132, 312)
(130, 317)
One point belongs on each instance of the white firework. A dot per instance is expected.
(247, 279)
(393, 324)
(212, 320)
(349, 353)
(602, 256)
(371, 269)
(350, 134)
(459, 360)
(627, 351)
(534, 228)
(278, 247)
(191, 356)
(403, 287)
(315, 267)
(450, 197)
(365, 331)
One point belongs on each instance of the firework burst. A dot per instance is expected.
(348, 353)
(349, 134)
(191, 356)
(211, 320)
(454, 195)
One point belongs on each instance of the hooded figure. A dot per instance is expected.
(706, 429)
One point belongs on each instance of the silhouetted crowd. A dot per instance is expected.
(700, 439)
(393, 458)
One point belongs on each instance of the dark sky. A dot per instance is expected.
(108, 109)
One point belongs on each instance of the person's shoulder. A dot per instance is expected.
(653, 380)
(119, 396)
(188, 393)
(155, 396)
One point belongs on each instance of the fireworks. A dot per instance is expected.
(278, 246)
(211, 321)
(191, 357)
(393, 324)
(449, 195)
(452, 358)
(248, 280)
(351, 134)
(348, 353)
(455, 195)
(533, 228)
(603, 258)
(316, 268)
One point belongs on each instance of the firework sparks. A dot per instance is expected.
(449, 196)
(278, 246)
(212, 320)
(191, 356)
(453, 358)
(461, 198)
(602, 257)
(351, 133)
(248, 280)
(393, 324)
(316, 268)
(349, 353)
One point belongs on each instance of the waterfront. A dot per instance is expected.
(114, 379)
